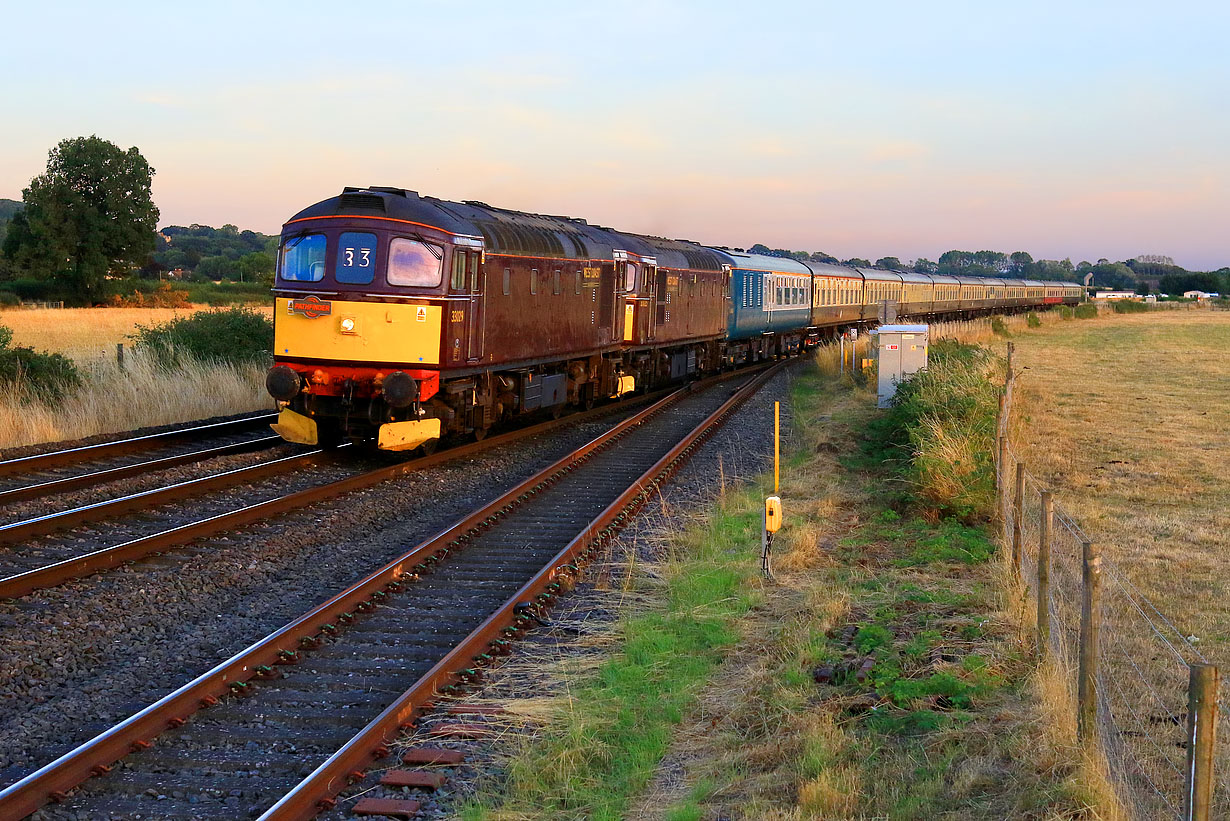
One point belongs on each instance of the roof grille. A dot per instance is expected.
(361, 202)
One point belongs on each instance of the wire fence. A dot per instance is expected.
(1131, 673)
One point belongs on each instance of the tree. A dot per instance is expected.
(1020, 263)
(890, 264)
(216, 268)
(922, 265)
(857, 263)
(820, 256)
(255, 265)
(89, 214)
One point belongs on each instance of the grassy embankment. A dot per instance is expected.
(885, 672)
(111, 399)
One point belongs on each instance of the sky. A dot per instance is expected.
(1066, 129)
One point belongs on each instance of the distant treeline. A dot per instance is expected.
(205, 253)
(1137, 275)
(201, 253)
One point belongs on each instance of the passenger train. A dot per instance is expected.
(406, 318)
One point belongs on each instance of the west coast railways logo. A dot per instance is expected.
(311, 307)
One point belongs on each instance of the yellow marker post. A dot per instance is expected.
(772, 504)
(777, 410)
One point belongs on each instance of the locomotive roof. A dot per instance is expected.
(511, 232)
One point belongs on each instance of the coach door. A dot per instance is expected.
(478, 307)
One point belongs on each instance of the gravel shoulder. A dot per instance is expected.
(78, 658)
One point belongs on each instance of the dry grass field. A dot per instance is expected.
(85, 334)
(1127, 418)
(114, 400)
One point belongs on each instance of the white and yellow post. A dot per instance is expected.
(772, 504)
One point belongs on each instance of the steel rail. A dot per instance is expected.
(41, 461)
(64, 520)
(21, 494)
(318, 790)
(105, 558)
(96, 756)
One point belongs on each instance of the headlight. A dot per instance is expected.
(348, 325)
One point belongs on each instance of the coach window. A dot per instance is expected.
(356, 258)
(458, 282)
(415, 264)
(303, 258)
(577, 288)
(533, 280)
(507, 281)
(555, 282)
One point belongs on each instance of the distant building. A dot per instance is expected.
(1116, 295)
(1198, 295)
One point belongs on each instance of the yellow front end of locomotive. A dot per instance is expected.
(399, 333)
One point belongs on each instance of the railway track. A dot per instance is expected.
(44, 474)
(328, 691)
(35, 559)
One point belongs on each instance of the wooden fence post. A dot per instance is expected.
(1044, 573)
(1091, 616)
(1018, 509)
(119, 354)
(1202, 690)
(1000, 445)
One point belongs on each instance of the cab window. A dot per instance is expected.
(303, 258)
(356, 258)
(415, 264)
(458, 282)
(630, 276)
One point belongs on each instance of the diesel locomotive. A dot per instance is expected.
(406, 318)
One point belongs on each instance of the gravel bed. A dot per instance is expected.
(78, 658)
(742, 449)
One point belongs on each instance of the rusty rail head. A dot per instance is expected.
(42, 461)
(71, 769)
(318, 789)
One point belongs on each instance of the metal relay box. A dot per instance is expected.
(900, 350)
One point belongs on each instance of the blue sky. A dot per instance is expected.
(905, 129)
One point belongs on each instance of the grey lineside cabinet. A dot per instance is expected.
(900, 350)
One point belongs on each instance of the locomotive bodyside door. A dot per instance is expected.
(477, 331)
